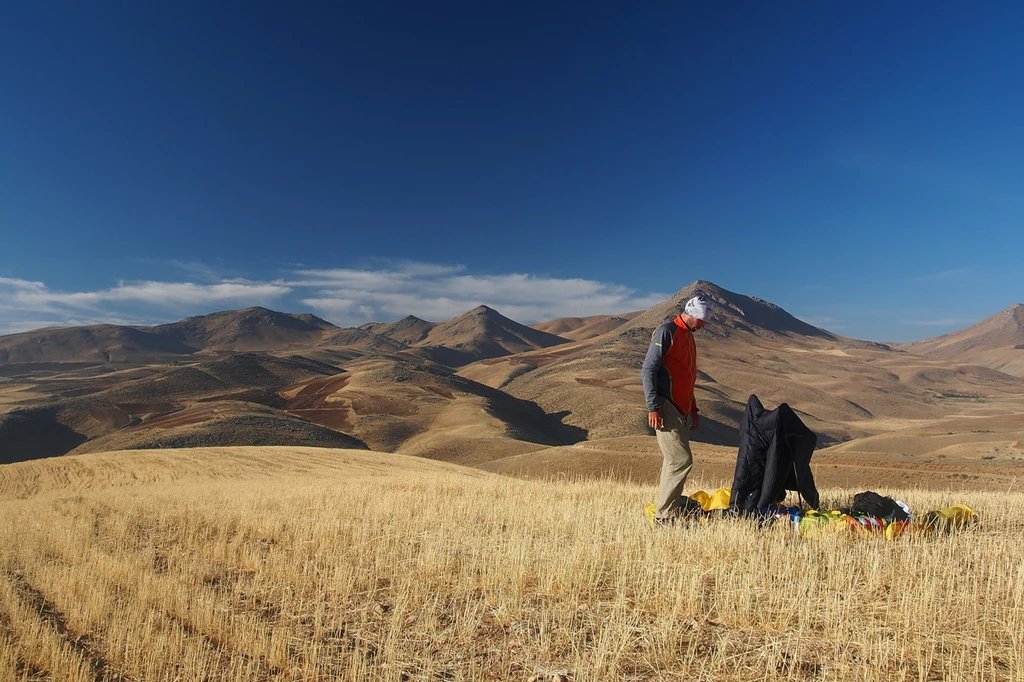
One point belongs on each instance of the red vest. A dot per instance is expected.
(681, 363)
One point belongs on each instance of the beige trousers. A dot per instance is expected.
(677, 460)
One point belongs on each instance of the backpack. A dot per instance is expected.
(871, 503)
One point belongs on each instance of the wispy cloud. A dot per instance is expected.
(437, 292)
(21, 284)
(196, 270)
(943, 322)
(345, 296)
(30, 305)
(944, 275)
(155, 293)
(393, 277)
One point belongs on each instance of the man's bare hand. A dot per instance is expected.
(654, 420)
(694, 421)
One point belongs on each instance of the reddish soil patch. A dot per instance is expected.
(110, 417)
(439, 390)
(195, 415)
(311, 403)
(314, 395)
(339, 418)
(324, 386)
(364, 404)
(145, 408)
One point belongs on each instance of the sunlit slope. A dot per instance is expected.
(581, 328)
(292, 564)
(837, 385)
(996, 342)
(250, 329)
(100, 471)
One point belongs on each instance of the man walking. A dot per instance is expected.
(669, 374)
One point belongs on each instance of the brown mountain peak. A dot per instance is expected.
(482, 311)
(410, 329)
(486, 333)
(410, 320)
(994, 342)
(730, 313)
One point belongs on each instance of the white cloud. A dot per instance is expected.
(391, 277)
(16, 326)
(21, 284)
(437, 292)
(346, 296)
(178, 293)
(28, 305)
(155, 293)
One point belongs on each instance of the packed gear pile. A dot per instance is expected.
(774, 457)
(870, 514)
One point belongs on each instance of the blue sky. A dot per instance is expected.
(859, 164)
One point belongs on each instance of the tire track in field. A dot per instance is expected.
(83, 644)
(260, 667)
(263, 670)
(9, 638)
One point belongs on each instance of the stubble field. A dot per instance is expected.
(314, 564)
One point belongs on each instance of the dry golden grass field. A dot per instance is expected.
(286, 563)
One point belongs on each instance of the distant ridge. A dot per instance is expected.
(360, 339)
(485, 333)
(410, 329)
(480, 333)
(253, 328)
(996, 342)
(1004, 329)
(249, 329)
(732, 313)
(741, 351)
(260, 377)
(582, 328)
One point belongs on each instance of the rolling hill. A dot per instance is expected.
(483, 390)
(485, 333)
(837, 384)
(996, 342)
(250, 329)
(582, 328)
(409, 330)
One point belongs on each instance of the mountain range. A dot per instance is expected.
(482, 389)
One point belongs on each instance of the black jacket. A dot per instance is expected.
(774, 456)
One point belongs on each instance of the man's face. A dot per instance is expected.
(692, 323)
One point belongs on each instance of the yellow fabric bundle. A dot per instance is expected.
(716, 500)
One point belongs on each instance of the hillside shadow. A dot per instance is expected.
(716, 433)
(35, 434)
(526, 420)
(712, 432)
(568, 433)
(719, 433)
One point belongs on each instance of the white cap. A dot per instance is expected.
(699, 307)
